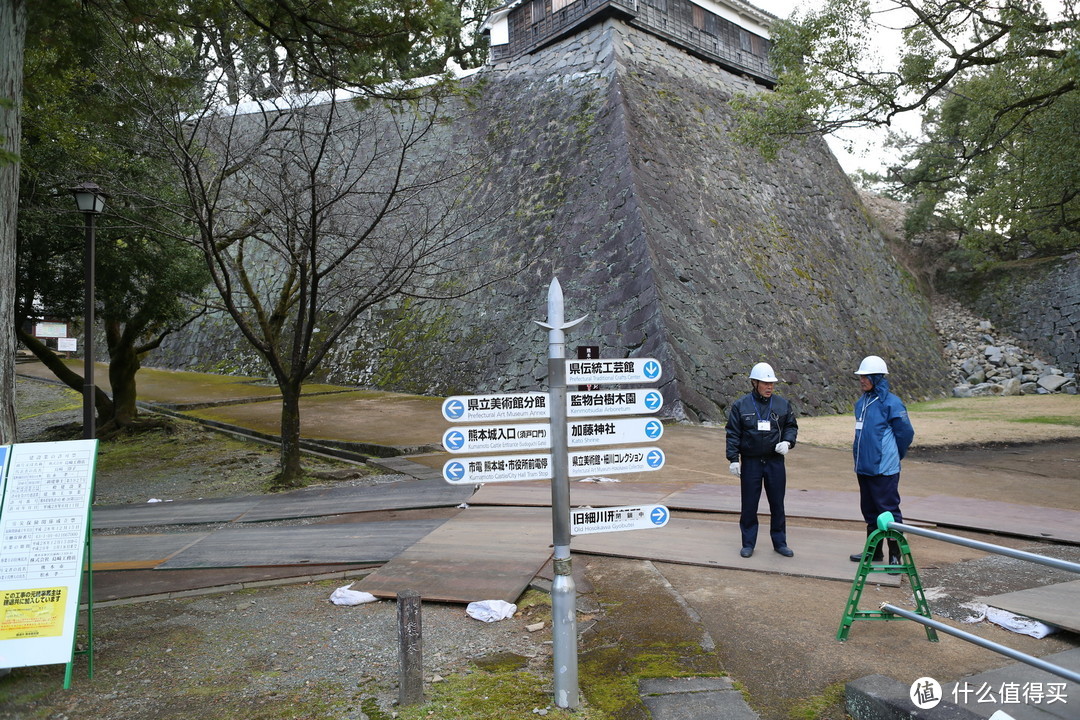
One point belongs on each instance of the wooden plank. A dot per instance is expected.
(1044, 523)
(702, 497)
(1057, 604)
(821, 504)
(131, 552)
(181, 512)
(594, 494)
(355, 543)
(819, 553)
(481, 554)
(317, 501)
(116, 585)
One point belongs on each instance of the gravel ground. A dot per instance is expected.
(274, 652)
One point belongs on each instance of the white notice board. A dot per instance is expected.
(44, 520)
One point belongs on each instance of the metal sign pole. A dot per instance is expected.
(563, 592)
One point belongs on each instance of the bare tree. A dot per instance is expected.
(311, 211)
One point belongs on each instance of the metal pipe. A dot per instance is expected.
(563, 591)
(889, 524)
(982, 642)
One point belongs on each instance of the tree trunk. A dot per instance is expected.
(12, 40)
(102, 403)
(123, 364)
(291, 472)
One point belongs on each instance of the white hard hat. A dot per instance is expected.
(762, 372)
(872, 365)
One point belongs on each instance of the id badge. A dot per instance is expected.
(764, 425)
(858, 424)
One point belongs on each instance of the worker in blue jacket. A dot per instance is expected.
(883, 435)
(761, 428)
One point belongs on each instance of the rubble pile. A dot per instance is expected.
(988, 362)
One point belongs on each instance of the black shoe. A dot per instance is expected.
(746, 552)
(894, 554)
(857, 557)
(785, 551)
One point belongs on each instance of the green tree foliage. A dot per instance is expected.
(996, 82)
(145, 282)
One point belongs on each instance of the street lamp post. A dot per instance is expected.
(91, 202)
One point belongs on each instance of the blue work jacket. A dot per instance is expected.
(883, 432)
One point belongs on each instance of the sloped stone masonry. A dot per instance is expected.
(677, 242)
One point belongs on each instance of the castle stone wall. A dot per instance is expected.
(675, 241)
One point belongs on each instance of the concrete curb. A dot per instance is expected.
(694, 698)
(876, 697)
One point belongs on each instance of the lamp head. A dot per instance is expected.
(89, 198)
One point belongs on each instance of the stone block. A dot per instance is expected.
(1052, 383)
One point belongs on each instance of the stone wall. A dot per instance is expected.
(1037, 301)
(622, 180)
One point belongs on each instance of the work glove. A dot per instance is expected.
(735, 468)
(783, 447)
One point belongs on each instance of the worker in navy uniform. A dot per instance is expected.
(761, 429)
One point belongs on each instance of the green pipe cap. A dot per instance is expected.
(884, 519)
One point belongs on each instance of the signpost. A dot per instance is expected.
(498, 468)
(530, 436)
(584, 521)
(613, 462)
(558, 465)
(537, 436)
(613, 402)
(613, 432)
(512, 406)
(606, 372)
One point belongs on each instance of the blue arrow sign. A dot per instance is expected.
(653, 429)
(655, 458)
(454, 440)
(659, 515)
(453, 409)
(454, 471)
(653, 400)
(651, 370)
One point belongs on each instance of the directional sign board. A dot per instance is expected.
(497, 438)
(584, 521)
(614, 462)
(597, 372)
(586, 433)
(498, 468)
(537, 436)
(613, 402)
(511, 406)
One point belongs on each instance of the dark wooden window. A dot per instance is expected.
(744, 40)
(536, 8)
(711, 24)
(699, 17)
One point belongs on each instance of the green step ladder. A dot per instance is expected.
(866, 566)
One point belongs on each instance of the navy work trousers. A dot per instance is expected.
(878, 494)
(767, 472)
